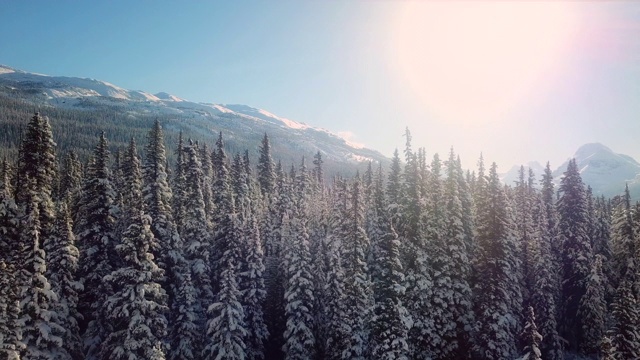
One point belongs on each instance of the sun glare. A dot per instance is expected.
(471, 62)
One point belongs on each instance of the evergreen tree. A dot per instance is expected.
(625, 315)
(544, 299)
(70, 179)
(497, 291)
(357, 282)
(136, 309)
(253, 293)
(389, 326)
(593, 310)
(42, 333)
(299, 297)
(62, 265)
(9, 264)
(157, 197)
(95, 232)
(266, 174)
(185, 334)
(226, 331)
(576, 251)
(623, 239)
(532, 337)
(196, 235)
(37, 170)
(180, 196)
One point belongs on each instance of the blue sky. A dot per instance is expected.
(356, 67)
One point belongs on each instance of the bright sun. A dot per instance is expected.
(471, 62)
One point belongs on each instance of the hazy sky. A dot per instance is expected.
(518, 81)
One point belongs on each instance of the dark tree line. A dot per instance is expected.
(120, 258)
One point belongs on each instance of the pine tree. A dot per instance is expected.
(625, 315)
(497, 291)
(389, 326)
(299, 297)
(576, 251)
(253, 293)
(62, 266)
(70, 179)
(266, 174)
(544, 291)
(593, 310)
(607, 351)
(226, 330)
(157, 197)
(95, 233)
(196, 235)
(37, 170)
(357, 282)
(9, 264)
(42, 334)
(180, 186)
(623, 239)
(136, 308)
(185, 333)
(531, 337)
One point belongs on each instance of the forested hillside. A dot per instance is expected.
(218, 256)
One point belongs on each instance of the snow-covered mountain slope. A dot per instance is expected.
(240, 124)
(604, 170)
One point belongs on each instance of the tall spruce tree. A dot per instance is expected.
(95, 233)
(136, 310)
(593, 310)
(576, 250)
(389, 329)
(497, 291)
(62, 266)
(266, 171)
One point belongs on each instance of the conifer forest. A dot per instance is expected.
(127, 256)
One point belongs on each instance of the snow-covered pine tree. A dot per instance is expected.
(62, 266)
(9, 313)
(226, 330)
(389, 329)
(70, 179)
(179, 186)
(623, 240)
(593, 310)
(357, 285)
(497, 291)
(37, 168)
(607, 351)
(95, 235)
(157, 197)
(266, 172)
(394, 188)
(576, 250)
(457, 250)
(442, 338)
(334, 330)
(42, 333)
(207, 179)
(195, 234)
(410, 227)
(625, 314)
(136, 309)
(299, 296)
(9, 264)
(253, 293)
(532, 337)
(544, 284)
(185, 337)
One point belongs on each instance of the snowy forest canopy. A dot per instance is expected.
(124, 258)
